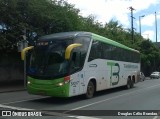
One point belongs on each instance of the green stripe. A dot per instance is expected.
(111, 42)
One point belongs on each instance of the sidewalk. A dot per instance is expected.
(11, 86)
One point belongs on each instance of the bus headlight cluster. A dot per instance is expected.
(62, 83)
(66, 80)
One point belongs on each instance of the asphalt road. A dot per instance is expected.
(144, 98)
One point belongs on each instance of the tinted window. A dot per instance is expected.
(79, 53)
(106, 51)
(96, 51)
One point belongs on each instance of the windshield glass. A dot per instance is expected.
(48, 59)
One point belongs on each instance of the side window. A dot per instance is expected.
(81, 56)
(79, 53)
(96, 51)
(118, 54)
(135, 58)
(129, 56)
(108, 51)
(115, 53)
(124, 55)
(84, 40)
(100, 50)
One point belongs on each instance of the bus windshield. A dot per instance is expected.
(49, 60)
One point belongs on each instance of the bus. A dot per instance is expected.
(74, 63)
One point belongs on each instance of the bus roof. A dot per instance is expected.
(64, 35)
(73, 34)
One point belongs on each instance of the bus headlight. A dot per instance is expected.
(28, 82)
(60, 84)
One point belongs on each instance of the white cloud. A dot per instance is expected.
(143, 4)
(105, 10)
(148, 20)
(148, 34)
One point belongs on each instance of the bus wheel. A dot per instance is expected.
(90, 90)
(132, 83)
(129, 84)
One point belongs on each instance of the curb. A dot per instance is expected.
(9, 91)
(11, 86)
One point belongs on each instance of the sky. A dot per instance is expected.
(118, 10)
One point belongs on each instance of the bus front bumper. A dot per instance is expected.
(47, 88)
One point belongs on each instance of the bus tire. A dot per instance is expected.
(132, 83)
(129, 84)
(90, 90)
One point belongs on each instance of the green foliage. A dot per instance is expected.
(40, 16)
(51, 16)
(150, 57)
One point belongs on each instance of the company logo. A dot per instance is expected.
(20, 113)
(114, 74)
(6, 113)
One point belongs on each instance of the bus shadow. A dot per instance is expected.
(62, 101)
(57, 100)
(112, 90)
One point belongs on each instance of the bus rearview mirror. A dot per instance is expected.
(70, 48)
(24, 51)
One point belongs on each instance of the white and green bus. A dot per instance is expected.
(74, 63)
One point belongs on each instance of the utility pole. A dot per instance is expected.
(156, 25)
(131, 8)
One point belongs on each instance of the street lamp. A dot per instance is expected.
(140, 23)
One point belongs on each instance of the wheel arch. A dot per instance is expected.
(133, 78)
(129, 77)
(93, 79)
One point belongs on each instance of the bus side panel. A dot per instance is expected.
(131, 70)
(97, 69)
(110, 73)
(74, 85)
(77, 83)
(120, 71)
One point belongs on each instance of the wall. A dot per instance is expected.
(11, 67)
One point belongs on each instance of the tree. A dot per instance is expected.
(25, 17)
(150, 57)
